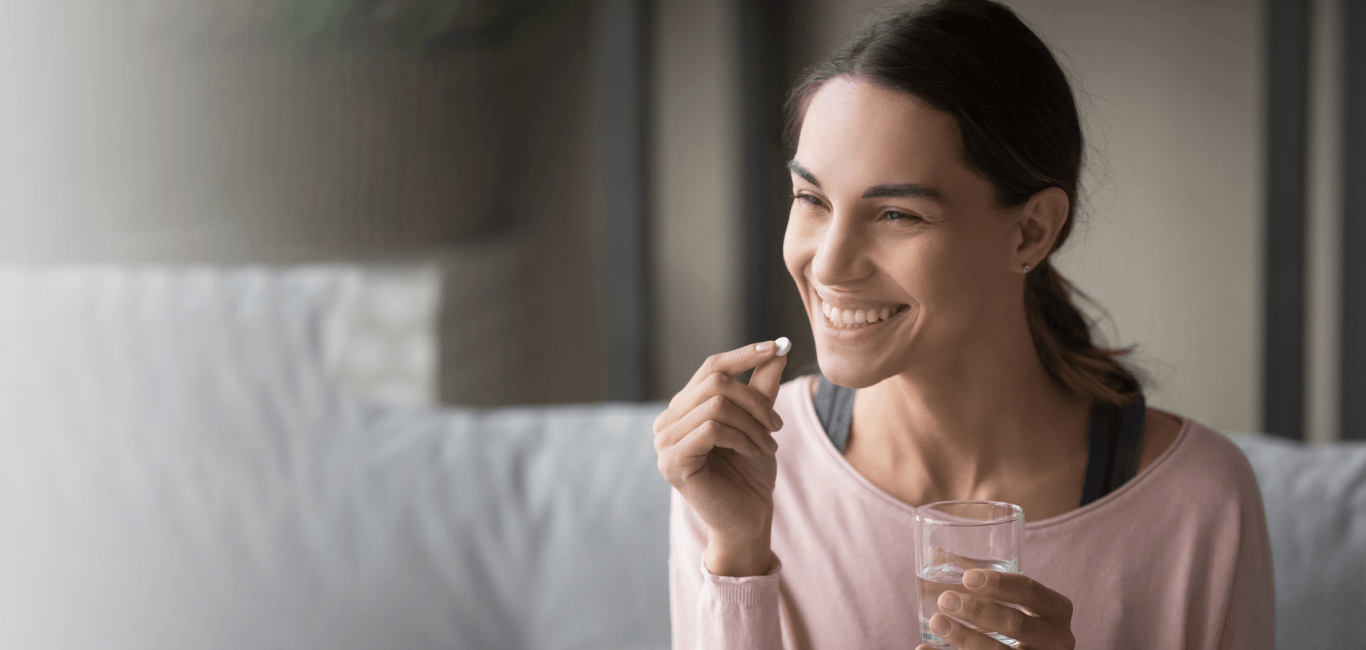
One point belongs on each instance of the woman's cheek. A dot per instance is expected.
(797, 246)
(949, 283)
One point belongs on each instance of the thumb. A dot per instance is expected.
(769, 374)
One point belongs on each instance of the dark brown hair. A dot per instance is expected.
(976, 60)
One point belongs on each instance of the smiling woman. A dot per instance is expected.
(935, 171)
(917, 214)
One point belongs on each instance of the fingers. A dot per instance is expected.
(736, 361)
(990, 615)
(1045, 623)
(713, 434)
(714, 398)
(758, 405)
(680, 461)
(961, 636)
(769, 374)
(1021, 590)
(720, 410)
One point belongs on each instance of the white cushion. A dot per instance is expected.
(1316, 513)
(180, 468)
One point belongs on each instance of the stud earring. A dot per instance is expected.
(1026, 268)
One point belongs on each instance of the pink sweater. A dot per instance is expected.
(1178, 557)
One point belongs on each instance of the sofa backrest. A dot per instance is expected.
(1316, 513)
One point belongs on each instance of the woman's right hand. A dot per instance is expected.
(715, 447)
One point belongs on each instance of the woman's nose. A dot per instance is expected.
(841, 254)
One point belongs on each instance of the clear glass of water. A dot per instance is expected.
(955, 536)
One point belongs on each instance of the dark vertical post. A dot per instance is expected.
(1284, 301)
(754, 203)
(762, 51)
(1353, 344)
(623, 63)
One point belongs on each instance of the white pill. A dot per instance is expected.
(783, 345)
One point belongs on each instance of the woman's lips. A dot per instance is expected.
(853, 319)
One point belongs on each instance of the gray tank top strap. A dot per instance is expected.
(1116, 441)
(1115, 438)
(835, 409)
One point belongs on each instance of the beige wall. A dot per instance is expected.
(697, 192)
(1173, 246)
(1171, 95)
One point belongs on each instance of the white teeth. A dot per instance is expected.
(850, 317)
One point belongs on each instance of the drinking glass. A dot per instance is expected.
(955, 536)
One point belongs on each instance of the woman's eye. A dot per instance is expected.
(808, 199)
(897, 215)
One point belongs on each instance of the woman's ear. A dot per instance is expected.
(1038, 225)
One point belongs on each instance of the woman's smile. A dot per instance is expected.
(849, 318)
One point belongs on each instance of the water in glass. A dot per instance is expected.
(936, 579)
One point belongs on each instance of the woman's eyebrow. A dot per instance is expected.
(796, 168)
(886, 190)
(903, 190)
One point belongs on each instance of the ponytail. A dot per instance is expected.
(1062, 339)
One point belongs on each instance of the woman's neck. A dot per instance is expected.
(972, 426)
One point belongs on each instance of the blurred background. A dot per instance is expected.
(343, 323)
(599, 183)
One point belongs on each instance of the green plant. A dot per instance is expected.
(320, 23)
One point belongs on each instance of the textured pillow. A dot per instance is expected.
(390, 351)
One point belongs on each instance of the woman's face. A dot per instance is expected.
(901, 254)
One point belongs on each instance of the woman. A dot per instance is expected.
(935, 172)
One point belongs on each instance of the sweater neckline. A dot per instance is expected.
(864, 485)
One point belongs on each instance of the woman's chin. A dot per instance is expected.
(858, 357)
(847, 372)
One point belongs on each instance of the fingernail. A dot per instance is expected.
(764, 347)
(974, 578)
(941, 625)
(783, 345)
(774, 420)
(949, 601)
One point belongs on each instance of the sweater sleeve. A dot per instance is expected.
(1250, 621)
(716, 612)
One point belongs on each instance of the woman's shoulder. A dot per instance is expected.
(1160, 431)
(1200, 476)
(1195, 459)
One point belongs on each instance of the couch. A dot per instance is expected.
(181, 468)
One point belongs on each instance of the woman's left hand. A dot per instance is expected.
(1046, 623)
